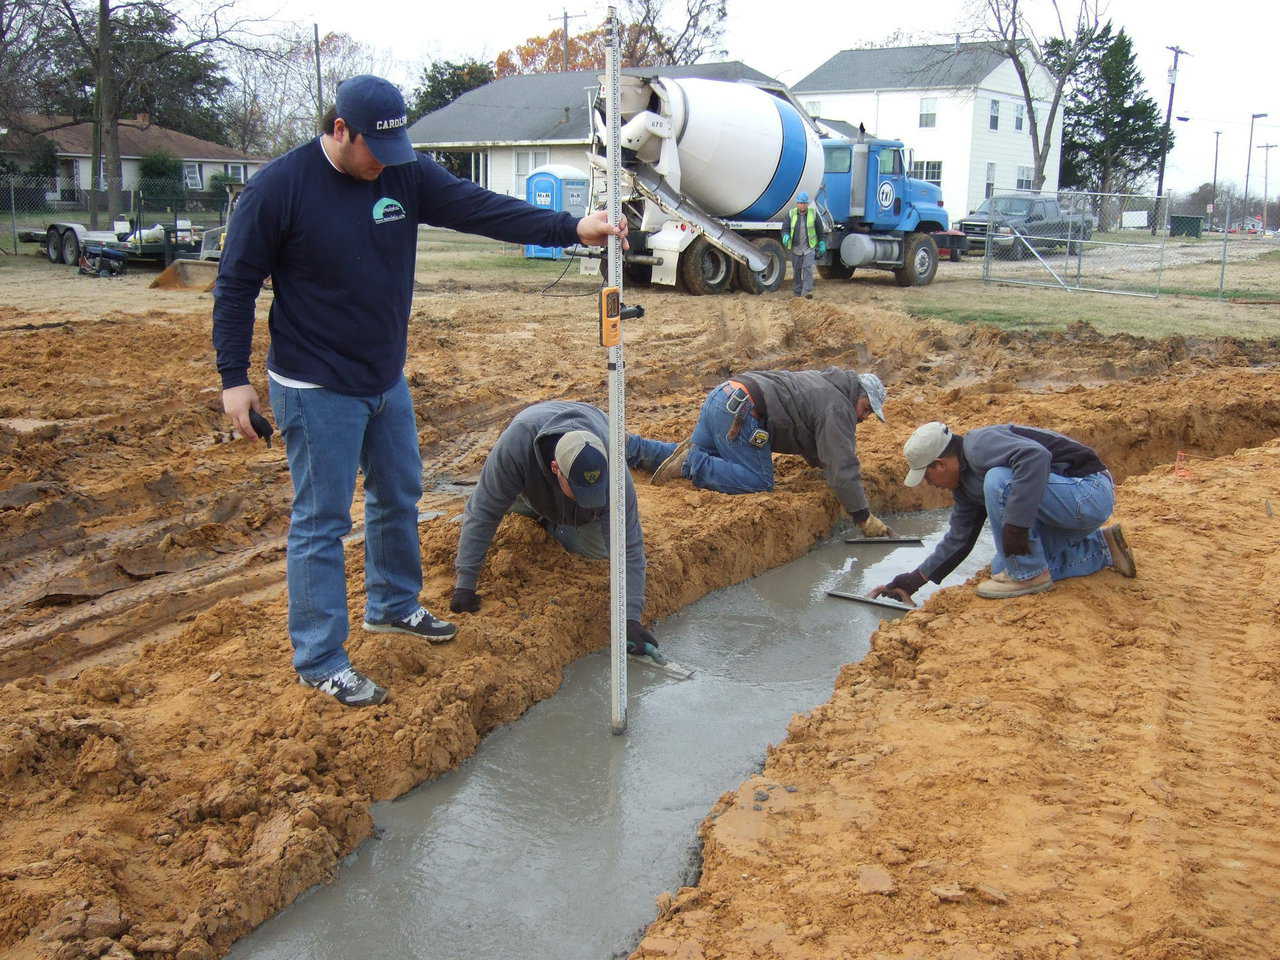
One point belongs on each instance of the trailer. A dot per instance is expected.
(65, 241)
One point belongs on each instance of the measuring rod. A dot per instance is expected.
(611, 336)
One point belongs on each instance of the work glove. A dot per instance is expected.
(464, 601)
(873, 526)
(1014, 540)
(822, 248)
(902, 586)
(638, 637)
(786, 240)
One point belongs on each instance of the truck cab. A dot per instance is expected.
(880, 216)
(866, 182)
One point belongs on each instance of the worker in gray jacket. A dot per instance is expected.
(813, 413)
(1045, 494)
(550, 465)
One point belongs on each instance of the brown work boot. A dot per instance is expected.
(1002, 586)
(672, 468)
(1121, 556)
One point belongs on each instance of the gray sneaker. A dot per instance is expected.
(672, 468)
(420, 623)
(349, 687)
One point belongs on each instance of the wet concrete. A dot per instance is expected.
(555, 838)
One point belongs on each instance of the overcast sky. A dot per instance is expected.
(1219, 85)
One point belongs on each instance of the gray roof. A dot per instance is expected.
(903, 68)
(539, 107)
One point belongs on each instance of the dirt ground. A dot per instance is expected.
(1088, 773)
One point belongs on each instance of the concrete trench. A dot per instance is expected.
(556, 837)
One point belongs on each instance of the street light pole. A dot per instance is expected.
(1217, 135)
(1248, 160)
(1266, 158)
(1168, 118)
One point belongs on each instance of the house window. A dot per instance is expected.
(526, 162)
(994, 120)
(191, 176)
(1024, 178)
(813, 107)
(991, 180)
(1019, 115)
(928, 111)
(928, 170)
(235, 171)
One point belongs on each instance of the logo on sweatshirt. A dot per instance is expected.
(386, 210)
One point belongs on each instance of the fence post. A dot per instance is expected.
(13, 214)
(1222, 271)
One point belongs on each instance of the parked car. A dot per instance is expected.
(1017, 224)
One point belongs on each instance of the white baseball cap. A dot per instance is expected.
(923, 447)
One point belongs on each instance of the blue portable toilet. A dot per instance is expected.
(556, 186)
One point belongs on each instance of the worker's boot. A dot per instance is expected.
(1001, 586)
(1121, 556)
(672, 468)
(349, 687)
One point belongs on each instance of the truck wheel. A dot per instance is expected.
(770, 278)
(635, 274)
(53, 245)
(704, 268)
(836, 269)
(920, 261)
(70, 248)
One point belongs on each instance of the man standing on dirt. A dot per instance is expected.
(550, 465)
(1045, 494)
(813, 413)
(334, 223)
(804, 235)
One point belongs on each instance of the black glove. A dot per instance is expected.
(464, 601)
(902, 586)
(1014, 541)
(860, 516)
(637, 637)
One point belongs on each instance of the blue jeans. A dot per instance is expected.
(1065, 538)
(715, 462)
(327, 436)
(587, 540)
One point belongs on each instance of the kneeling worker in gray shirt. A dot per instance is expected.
(1047, 497)
(550, 465)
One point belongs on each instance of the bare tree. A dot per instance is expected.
(1006, 26)
(216, 25)
(24, 55)
(271, 103)
(698, 33)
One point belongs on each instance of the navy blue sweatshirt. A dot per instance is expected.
(340, 253)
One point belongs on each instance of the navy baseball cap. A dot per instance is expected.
(581, 459)
(374, 107)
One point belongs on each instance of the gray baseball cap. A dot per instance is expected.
(874, 390)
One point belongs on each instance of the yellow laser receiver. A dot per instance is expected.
(610, 317)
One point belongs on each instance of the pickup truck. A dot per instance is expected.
(1017, 224)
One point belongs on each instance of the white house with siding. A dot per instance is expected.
(959, 109)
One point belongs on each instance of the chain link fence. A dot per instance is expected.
(30, 204)
(1119, 244)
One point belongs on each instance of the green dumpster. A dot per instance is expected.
(1184, 226)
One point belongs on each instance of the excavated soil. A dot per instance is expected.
(165, 785)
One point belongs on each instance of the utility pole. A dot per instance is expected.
(1248, 160)
(1213, 208)
(564, 18)
(315, 28)
(1266, 157)
(1168, 118)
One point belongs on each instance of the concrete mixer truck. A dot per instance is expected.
(709, 167)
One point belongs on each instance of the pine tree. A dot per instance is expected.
(1113, 132)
